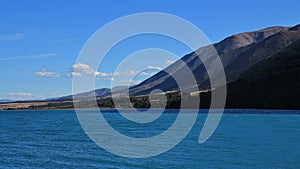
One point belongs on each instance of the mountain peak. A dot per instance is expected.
(247, 38)
(273, 29)
(295, 28)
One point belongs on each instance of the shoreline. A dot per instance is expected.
(226, 110)
(69, 105)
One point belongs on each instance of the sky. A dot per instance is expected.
(41, 40)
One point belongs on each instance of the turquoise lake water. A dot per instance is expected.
(55, 139)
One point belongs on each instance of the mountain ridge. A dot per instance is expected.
(229, 55)
(193, 61)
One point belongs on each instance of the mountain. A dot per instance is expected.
(273, 82)
(261, 67)
(99, 93)
(5, 101)
(233, 51)
(260, 51)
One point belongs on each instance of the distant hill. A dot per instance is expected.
(5, 101)
(99, 93)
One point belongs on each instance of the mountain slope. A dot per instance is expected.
(229, 50)
(98, 92)
(262, 70)
(272, 83)
(260, 51)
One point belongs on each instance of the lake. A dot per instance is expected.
(243, 139)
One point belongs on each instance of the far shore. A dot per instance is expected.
(68, 105)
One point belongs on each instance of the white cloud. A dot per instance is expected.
(8, 37)
(74, 74)
(103, 74)
(21, 94)
(86, 69)
(131, 72)
(45, 73)
(168, 62)
(81, 69)
(145, 74)
(117, 74)
(153, 68)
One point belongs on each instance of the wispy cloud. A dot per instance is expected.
(83, 70)
(128, 72)
(9, 37)
(29, 56)
(153, 68)
(45, 73)
(168, 62)
(20, 94)
(145, 74)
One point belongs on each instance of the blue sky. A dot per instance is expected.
(40, 40)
